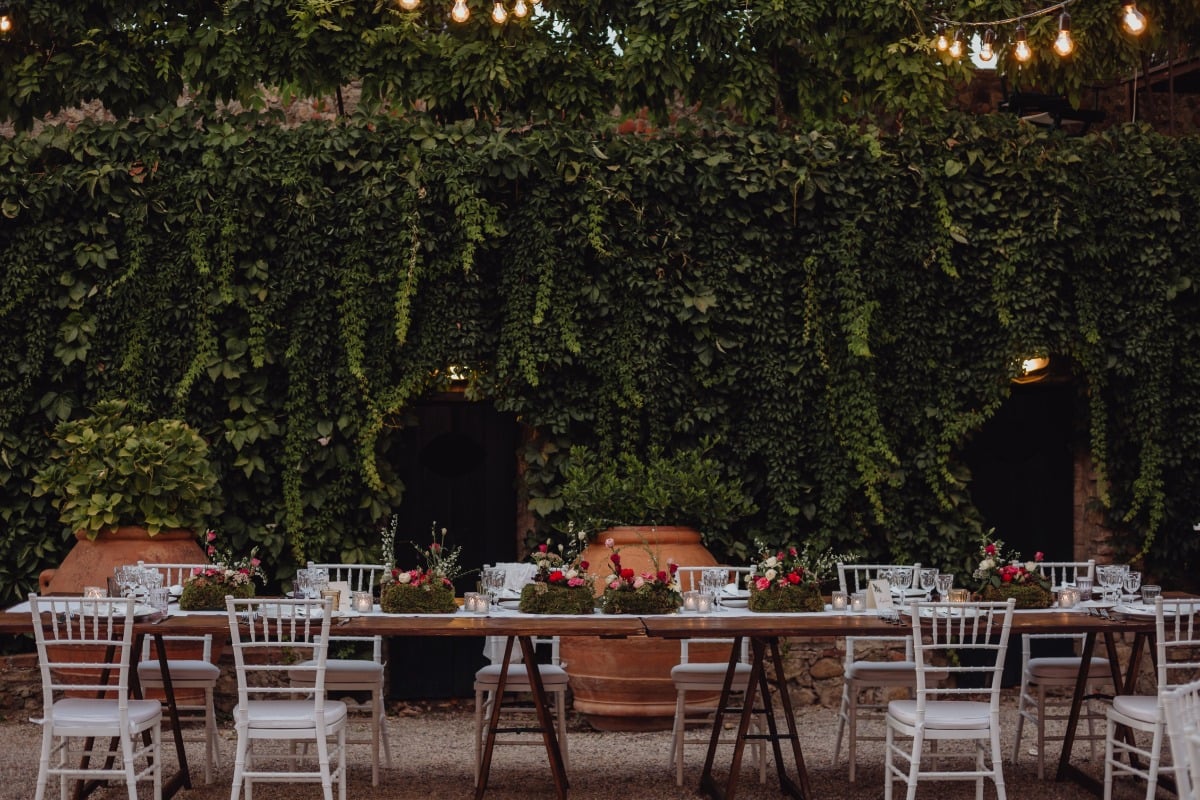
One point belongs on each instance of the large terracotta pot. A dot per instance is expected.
(625, 684)
(91, 562)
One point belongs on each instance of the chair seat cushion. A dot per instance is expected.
(289, 714)
(339, 671)
(1064, 668)
(709, 673)
(83, 712)
(182, 670)
(1143, 707)
(517, 679)
(957, 715)
(890, 672)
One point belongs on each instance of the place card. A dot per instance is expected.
(879, 594)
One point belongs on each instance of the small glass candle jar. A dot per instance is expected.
(332, 594)
(960, 595)
(704, 604)
(838, 601)
(362, 602)
(1068, 597)
(691, 602)
(475, 603)
(95, 592)
(858, 601)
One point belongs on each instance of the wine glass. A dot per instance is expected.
(712, 583)
(902, 579)
(944, 583)
(1132, 582)
(927, 581)
(1110, 581)
(126, 576)
(493, 583)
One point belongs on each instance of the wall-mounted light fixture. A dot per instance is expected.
(1032, 369)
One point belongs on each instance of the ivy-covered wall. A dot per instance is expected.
(840, 310)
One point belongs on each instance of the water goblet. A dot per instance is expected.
(712, 583)
(302, 584)
(944, 583)
(126, 576)
(927, 580)
(493, 583)
(902, 579)
(318, 581)
(1084, 585)
(1132, 582)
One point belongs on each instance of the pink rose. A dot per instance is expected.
(575, 582)
(608, 543)
(210, 536)
(990, 549)
(615, 585)
(1039, 555)
(542, 547)
(583, 565)
(639, 582)
(762, 584)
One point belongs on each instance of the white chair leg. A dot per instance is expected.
(1110, 731)
(841, 724)
(1041, 732)
(1016, 751)
(997, 765)
(914, 766)
(677, 731)
(383, 732)
(852, 731)
(1155, 760)
(479, 733)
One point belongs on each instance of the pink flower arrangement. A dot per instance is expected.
(621, 577)
(998, 568)
(225, 568)
(441, 565)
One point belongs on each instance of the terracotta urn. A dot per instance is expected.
(91, 561)
(625, 684)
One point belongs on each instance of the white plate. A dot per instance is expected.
(1142, 611)
(908, 593)
(506, 602)
(736, 602)
(139, 611)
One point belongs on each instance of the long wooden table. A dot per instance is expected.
(763, 630)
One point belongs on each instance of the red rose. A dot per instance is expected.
(662, 576)
(583, 565)
(542, 547)
(556, 576)
(673, 567)
(990, 549)
(615, 558)
(793, 578)
(627, 574)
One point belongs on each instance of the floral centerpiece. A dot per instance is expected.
(627, 592)
(788, 579)
(205, 589)
(561, 585)
(1003, 575)
(424, 590)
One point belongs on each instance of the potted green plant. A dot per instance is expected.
(119, 474)
(656, 510)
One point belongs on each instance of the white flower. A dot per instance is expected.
(1030, 566)
(986, 564)
(770, 574)
(571, 573)
(403, 577)
(771, 562)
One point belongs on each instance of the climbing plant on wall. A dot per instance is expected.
(838, 310)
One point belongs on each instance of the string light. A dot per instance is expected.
(460, 12)
(409, 5)
(1133, 20)
(1063, 44)
(986, 49)
(499, 13)
(520, 9)
(6, 23)
(956, 47)
(1021, 49)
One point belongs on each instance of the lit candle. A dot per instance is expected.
(362, 602)
(691, 601)
(838, 600)
(474, 603)
(858, 601)
(704, 604)
(94, 592)
(1068, 597)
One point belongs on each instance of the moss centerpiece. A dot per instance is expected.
(788, 580)
(626, 591)
(1002, 575)
(427, 590)
(205, 589)
(561, 584)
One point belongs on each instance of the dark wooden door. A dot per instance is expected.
(458, 463)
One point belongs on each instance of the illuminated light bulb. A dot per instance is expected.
(499, 13)
(1133, 20)
(1063, 44)
(1021, 46)
(941, 42)
(956, 46)
(6, 23)
(537, 2)
(460, 12)
(409, 5)
(986, 49)
(520, 9)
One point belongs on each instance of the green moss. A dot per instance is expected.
(787, 599)
(210, 596)
(403, 598)
(649, 599)
(1027, 595)
(542, 598)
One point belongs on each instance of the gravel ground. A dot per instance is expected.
(432, 758)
